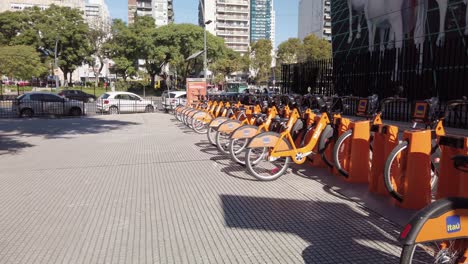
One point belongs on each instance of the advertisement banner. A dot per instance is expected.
(195, 87)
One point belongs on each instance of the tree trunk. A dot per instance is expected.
(71, 77)
(153, 77)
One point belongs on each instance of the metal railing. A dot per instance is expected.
(13, 108)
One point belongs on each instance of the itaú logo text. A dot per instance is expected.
(453, 224)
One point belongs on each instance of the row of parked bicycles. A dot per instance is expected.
(415, 166)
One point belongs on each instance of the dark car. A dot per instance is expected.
(77, 95)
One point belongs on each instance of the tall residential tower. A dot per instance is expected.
(230, 20)
(262, 17)
(315, 18)
(161, 10)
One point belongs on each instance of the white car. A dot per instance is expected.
(174, 99)
(123, 102)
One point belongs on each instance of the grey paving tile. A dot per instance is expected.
(142, 189)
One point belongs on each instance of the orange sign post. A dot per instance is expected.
(195, 87)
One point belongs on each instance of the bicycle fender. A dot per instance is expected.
(203, 116)
(269, 140)
(247, 131)
(229, 126)
(441, 220)
(218, 121)
(191, 113)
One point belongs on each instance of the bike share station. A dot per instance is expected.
(396, 171)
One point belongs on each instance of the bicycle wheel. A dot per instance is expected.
(261, 167)
(394, 170)
(199, 126)
(222, 142)
(326, 138)
(341, 151)
(237, 149)
(211, 134)
(448, 251)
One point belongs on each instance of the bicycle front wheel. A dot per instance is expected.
(395, 170)
(262, 167)
(342, 153)
(211, 134)
(236, 149)
(222, 142)
(450, 251)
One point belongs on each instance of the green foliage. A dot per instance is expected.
(312, 48)
(21, 62)
(289, 51)
(261, 59)
(315, 48)
(44, 28)
(121, 48)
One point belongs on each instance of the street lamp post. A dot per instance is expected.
(205, 22)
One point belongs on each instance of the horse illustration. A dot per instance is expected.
(358, 6)
(443, 6)
(399, 17)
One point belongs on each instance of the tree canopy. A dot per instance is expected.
(20, 62)
(63, 27)
(261, 59)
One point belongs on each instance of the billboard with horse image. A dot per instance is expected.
(420, 45)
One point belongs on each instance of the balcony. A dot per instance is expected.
(232, 33)
(232, 10)
(234, 26)
(233, 2)
(228, 17)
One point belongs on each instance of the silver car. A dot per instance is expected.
(39, 103)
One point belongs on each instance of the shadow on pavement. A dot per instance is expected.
(13, 131)
(336, 232)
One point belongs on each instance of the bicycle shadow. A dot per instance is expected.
(336, 232)
(238, 171)
(356, 192)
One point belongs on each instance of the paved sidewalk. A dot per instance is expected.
(144, 189)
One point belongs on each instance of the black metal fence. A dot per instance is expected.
(12, 107)
(415, 73)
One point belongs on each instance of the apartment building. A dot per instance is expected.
(97, 14)
(161, 10)
(230, 20)
(315, 18)
(17, 5)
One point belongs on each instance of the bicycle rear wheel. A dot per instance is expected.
(262, 168)
(449, 251)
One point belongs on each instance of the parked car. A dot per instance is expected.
(171, 99)
(23, 83)
(77, 95)
(123, 102)
(40, 103)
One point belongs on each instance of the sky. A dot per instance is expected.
(186, 11)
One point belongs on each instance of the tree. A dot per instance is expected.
(188, 39)
(63, 27)
(121, 47)
(228, 64)
(21, 62)
(98, 34)
(289, 51)
(155, 45)
(315, 48)
(261, 59)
